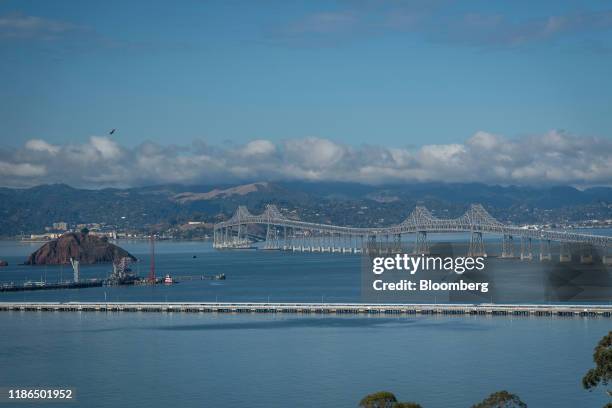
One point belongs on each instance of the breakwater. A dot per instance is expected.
(316, 308)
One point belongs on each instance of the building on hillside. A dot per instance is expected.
(60, 226)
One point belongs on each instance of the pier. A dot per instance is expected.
(316, 308)
(28, 286)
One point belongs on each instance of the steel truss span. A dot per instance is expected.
(282, 232)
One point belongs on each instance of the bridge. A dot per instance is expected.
(290, 234)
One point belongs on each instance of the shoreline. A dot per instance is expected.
(316, 308)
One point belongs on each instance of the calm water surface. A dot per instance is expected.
(201, 360)
(252, 276)
(204, 360)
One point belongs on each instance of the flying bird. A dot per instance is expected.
(112, 131)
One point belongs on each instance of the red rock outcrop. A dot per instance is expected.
(88, 249)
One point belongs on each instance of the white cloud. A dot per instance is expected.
(19, 26)
(258, 147)
(41, 146)
(551, 158)
(436, 22)
(484, 140)
(22, 170)
(314, 153)
(105, 147)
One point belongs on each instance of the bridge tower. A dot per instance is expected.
(508, 246)
(477, 247)
(421, 245)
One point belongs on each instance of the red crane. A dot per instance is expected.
(152, 262)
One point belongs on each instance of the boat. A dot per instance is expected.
(168, 280)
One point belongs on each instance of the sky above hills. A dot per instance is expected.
(365, 90)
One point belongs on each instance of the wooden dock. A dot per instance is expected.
(316, 308)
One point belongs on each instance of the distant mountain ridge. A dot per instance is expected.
(30, 210)
(241, 190)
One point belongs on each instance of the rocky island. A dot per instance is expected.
(88, 249)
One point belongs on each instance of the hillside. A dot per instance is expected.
(30, 210)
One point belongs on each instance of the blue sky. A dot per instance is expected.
(373, 91)
(357, 72)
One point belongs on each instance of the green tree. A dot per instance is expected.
(501, 399)
(602, 373)
(381, 399)
(84, 230)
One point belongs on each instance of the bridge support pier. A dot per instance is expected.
(526, 249)
(397, 243)
(586, 259)
(284, 247)
(565, 255)
(359, 246)
(507, 246)
(421, 245)
(545, 254)
(477, 247)
(272, 241)
(372, 245)
(245, 235)
(221, 238)
(586, 255)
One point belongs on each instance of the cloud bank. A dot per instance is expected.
(440, 22)
(23, 27)
(551, 158)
